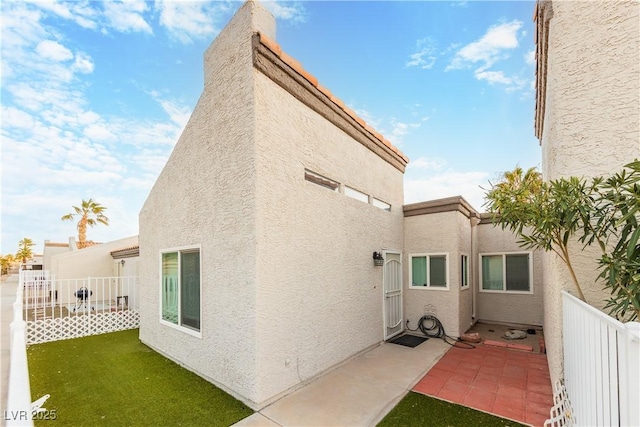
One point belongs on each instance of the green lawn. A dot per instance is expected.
(424, 411)
(114, 379)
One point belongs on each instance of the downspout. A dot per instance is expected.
(474, 220)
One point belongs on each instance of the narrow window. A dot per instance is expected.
(464, 271)
(180, 288)
(321, 180)
(380, 204)
(355, 194)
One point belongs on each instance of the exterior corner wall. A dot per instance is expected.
(206, 196)
(516, 308)
(319, 295)
(443, 232)
(591, 125)
(49, 252)
(465, 310)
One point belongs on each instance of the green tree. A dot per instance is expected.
(613, 224)
(5, 262)
(546, 215)
(24, 250)
(90, 213)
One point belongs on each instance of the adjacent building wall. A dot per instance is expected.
(518, 308)
(93, 261)
(588, 107)
(206, 196)
(439, 226)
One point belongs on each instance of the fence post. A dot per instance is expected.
(629, 390)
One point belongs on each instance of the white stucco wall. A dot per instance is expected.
(436, 233)
(466, 246)
(94, 261)
(51, 250)
(206, 196)
(516, 308)
(319, 295)
(591, 123)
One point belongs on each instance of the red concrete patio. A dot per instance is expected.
(505, 382)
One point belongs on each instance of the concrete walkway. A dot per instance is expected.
(8, 289)
(358, 393)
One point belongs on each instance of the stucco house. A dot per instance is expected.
(587, 119)
(265, 277)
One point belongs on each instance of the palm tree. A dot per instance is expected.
(24, 250)
(90, 214)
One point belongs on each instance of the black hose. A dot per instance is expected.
(431, 327)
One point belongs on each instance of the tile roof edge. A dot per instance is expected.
(274, 47)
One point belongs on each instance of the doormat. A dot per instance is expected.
(409, 340)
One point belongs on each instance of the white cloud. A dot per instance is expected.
(530, 57)
(425, 56)
(491, 47)
(187, 21)
(127, 16)
(15, 118)
(447, 184)
(399, 130)
(80, 12)
(83, 64)
(291, 12)
(99, 132)
(424, 163)
(53, 50)
(493, 77)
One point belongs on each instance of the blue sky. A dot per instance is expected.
(95, 95)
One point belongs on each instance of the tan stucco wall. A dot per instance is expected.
(94, 261)
(49, 252)
(205, 196)
(319, 295)
(516, 308)
(591, 123)
(443, 232)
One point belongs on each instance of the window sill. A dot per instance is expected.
(197, 334)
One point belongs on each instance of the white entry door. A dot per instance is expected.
(392, 290)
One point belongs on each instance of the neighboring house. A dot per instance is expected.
(257, 239)
(587, 119)
(54, 248)
(100, 260)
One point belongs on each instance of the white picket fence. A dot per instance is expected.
(601, 366)
(57, 309)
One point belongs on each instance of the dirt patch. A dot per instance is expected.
(496, 332)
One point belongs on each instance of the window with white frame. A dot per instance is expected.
(429, 271)
(464, 271)
(506, 272)
(180, 287)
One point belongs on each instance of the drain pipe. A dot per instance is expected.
(474, 220)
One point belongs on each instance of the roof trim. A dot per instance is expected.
(449, 204)
(542, 16)
(129, 252)
(288, 73)
(56, 245)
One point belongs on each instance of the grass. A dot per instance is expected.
(114, 379)
(420, 410)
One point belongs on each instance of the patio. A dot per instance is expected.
(509, 383)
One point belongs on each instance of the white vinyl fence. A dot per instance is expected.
(18, 411)
(601, 366)
(70, 308)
